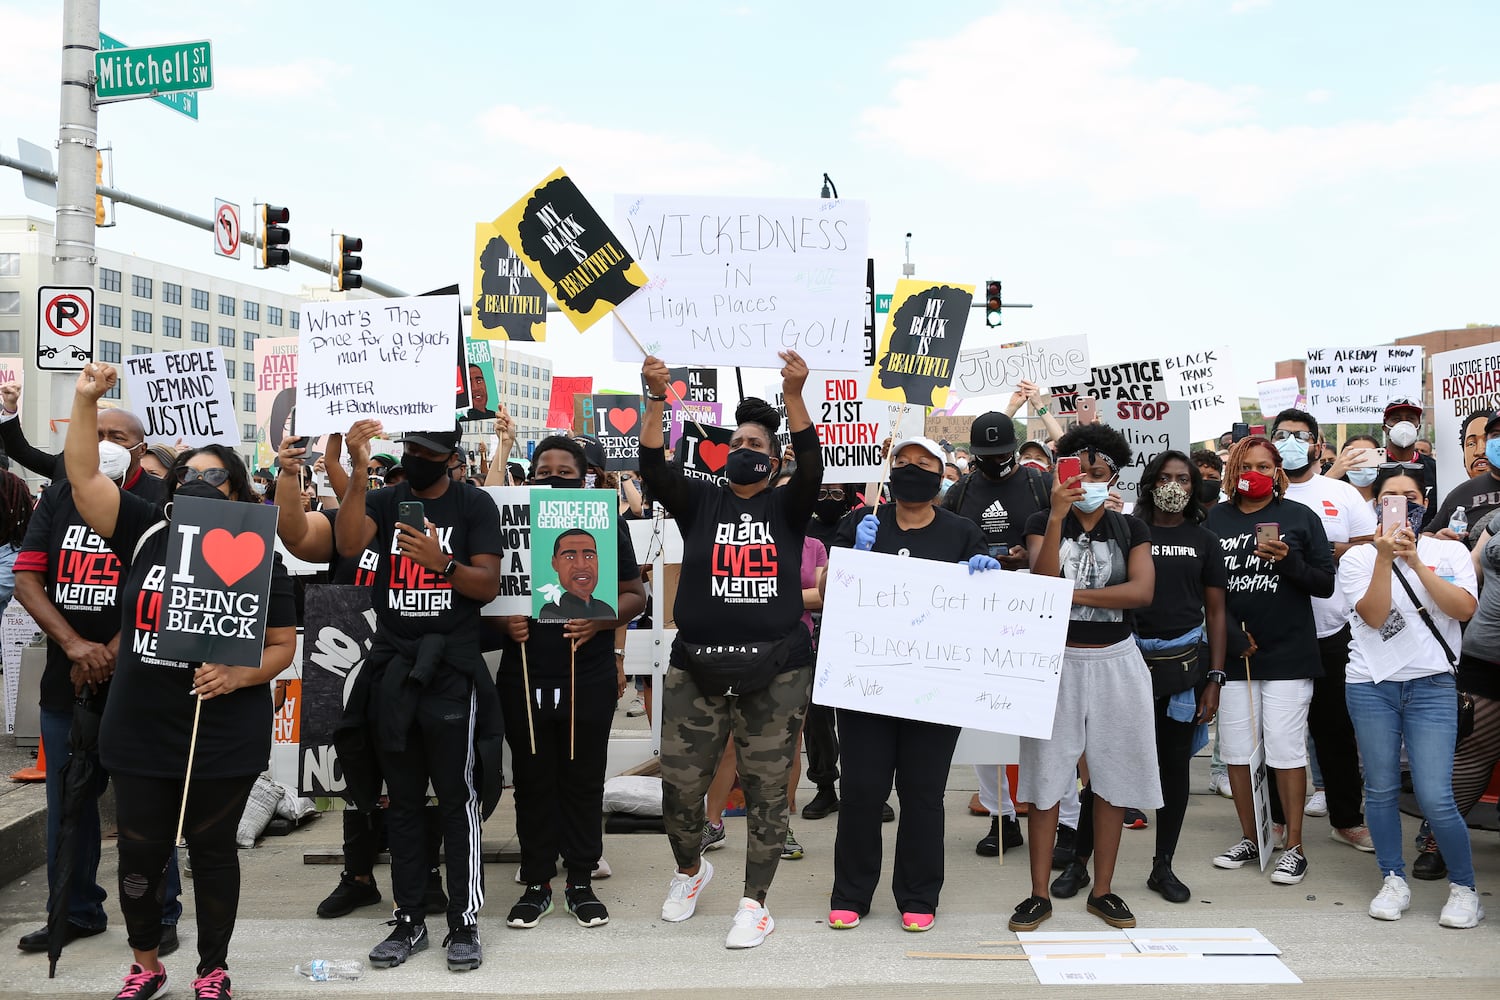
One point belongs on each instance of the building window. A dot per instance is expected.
(525, 371)
(140, 287)
(229, 370)
(200, 332)
(296, 319)
(171, 294)
(109, 315)
(140, 349)
(10, 303)
(252, 311)
(231, 400)
(10, 265)
(109, 281)
(249, 369)
(249, 432)
(250, 336)
(140, 322)
(515, 368)
(10, 341)
(109, 351)
(200, 299)
(546, 394)
(114, 392)
(226, 336)
(273, 315)
(171, 326)
(226, 305)
(249, 402)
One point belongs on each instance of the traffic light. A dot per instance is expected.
(342, 275)
(992, 302)
(100, 218)
(274, 236)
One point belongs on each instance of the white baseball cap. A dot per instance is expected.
(927, 444)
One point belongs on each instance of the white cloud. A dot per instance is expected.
(33, 43)
(1318, 96)
(1072, 108)
(296, 79)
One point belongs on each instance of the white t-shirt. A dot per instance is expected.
(1450, 561)
(1345, 515)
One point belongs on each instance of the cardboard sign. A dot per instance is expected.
(1204, 380)
(1275, 394)
(1353, 385)
(275, 394)
(182, 394)
(926, 640)
(851, 430)
(11, 370)
(509, 303)
(1141, 381)
(390, 360)
(514, 505)
(565, 243)
(680, 415)
(1260, 796)
(999, 371)
(693, 385)
(218, 584)
(1151, 428)
(868, 358)
(338, 630)
(576, 530)
(1464, 383)
(483, 388)
(702, 457)
(735, 280)
(617, 425)
(919, 351)
(565, 388)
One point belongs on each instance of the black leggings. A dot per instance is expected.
(146, 812)
(1174, 745)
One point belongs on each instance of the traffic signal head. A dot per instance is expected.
(343, 275)
(992, 302)
(99, 214)
(274, 236)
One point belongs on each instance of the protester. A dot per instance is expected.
(1104, 691)
(13, 440)
(742, 661)
(1357, 464)
(1035, 455)
(1408, 698)
(15, 517)
(1211, 478)
(559, 742)
(425, 695)
(1403, 425)
(146, 734)
(1273, 575)
(881, 749)
(157, 460)
(1480, 496)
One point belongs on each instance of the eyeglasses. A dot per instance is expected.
(1307, 437)
(830, 494)
(1393, 466)
(213, 477)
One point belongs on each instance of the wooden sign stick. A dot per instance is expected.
(645, 353)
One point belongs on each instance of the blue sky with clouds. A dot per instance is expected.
(1157, 174)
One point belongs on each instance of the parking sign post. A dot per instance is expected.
(64, 327)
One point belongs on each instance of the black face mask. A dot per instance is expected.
(997, 467)
(1208, 490)
(198, 488)
(423, 472)
(830, 511)
(559, 482)
(747, 467)
(914, 484)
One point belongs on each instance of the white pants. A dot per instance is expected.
(1280, 715)
(994, 795)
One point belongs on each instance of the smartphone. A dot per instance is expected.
(1088, 410)
(1392, 514)
(1239, 431)
(1267, 531)
(1068, 467)
(411, 512)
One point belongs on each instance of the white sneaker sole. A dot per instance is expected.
(1394, 913)
(754, 942)
(1466, 925)
(1229, 864)
(692, 904)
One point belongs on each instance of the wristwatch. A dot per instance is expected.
(451, 568)
(1041, 411)
(1218, 677)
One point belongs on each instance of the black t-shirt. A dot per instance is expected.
(359, 571)
(1001, 509)
(1188, 559)
(1094, 560)
(1478, 497)
(947, 538)
(148, 720)
(1274, 602)
(410, 600)
(80, 573)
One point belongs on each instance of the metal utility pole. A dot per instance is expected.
(77, 142)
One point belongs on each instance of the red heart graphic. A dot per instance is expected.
(680, 388)
(232, 556)
(622, 418)
(714, 455)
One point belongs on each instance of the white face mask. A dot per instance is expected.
(1403, 434)
(114, 460)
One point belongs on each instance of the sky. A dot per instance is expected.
(1157, 174)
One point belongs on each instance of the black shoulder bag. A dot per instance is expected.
(1465, 701)
(726, 669)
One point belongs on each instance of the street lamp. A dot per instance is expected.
(829, 190)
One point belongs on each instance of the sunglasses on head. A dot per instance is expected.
(1392, 466)
(827, 493)
(213, 477)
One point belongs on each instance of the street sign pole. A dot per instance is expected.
(73, 257)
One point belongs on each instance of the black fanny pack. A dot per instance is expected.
(1174, 670)
(725, 669)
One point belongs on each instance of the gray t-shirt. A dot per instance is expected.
(1482, 636)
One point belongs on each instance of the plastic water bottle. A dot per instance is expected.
(1459, 523)
(322, 970)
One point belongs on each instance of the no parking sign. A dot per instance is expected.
(64, 327)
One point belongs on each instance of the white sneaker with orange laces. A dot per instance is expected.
(751, 925)
(682, 894)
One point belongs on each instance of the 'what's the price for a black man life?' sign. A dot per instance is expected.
(182, 394)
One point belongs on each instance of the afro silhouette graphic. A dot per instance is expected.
(921, 355)
(560, 230)
(506, 282)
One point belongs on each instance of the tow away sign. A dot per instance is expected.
(64, 327)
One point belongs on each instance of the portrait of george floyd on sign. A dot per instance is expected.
(919, 349)
(576, 531)
(509, 303)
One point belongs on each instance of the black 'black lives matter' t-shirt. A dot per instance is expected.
(81, 574)
(946, 538)
(410, 600)
(148, 720)
(1188, 560)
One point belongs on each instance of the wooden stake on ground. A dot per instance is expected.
(526, 679)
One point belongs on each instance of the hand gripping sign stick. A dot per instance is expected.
(702, 436)
(885, 467)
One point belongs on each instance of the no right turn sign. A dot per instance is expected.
(64, 327)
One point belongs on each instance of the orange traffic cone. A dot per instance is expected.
(38, 773)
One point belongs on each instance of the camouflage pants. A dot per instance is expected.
(765, 725)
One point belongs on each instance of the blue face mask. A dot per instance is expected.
(1362, 477)
(1293, 454)
(944, 486)
(1094, 495)
(1492, 452)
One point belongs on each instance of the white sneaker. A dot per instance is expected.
(1392, 900)
(752, 922)
(1218, 783)
(682, 894)
(1317, 805)
(1462, 909)
(1357, 837)
(636, 709)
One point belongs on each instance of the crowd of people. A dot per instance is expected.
(1312, 607)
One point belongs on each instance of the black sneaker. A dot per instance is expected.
(585, 906)
(1010, 833)
(989, 844)
(409, 937)
(1165, 882)
(348, 896)
(1112, 910)
(1030, 914)
(464, 951)
(1429, 866)
(1063, 851)
(1291, 867)
(143, 985)
(1074, 877)
(168, 940)
(434, 899)
(822, 804)
(1239, 855)
(534, 904)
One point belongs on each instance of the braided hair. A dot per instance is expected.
(15, 508)
(1236, 463)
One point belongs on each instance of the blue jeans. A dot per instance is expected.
(85, 895)
(1424, 713)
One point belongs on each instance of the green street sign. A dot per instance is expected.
(120, 74)
(184, 102)
(882, 303)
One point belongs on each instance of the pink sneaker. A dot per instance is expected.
(917, 921)
(214, 985)
(143, 985)
(842, 920)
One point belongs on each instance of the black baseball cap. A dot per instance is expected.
(1492, 425)
(992, 434)
(445, 442)
(593, 451)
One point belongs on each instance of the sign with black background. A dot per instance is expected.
(703, 457)
(617, 425)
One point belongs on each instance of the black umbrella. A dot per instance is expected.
(80, 779)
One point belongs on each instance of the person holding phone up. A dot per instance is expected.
(1279, 559)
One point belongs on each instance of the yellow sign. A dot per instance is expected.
(509, 303)
(919, 349)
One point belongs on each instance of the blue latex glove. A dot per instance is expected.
(864, 534)
(982, 564)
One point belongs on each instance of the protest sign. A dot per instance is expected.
(576, 529)
(481, 377)
(735, 280)
(568, 248)
(275, 394)
(1275, 394)
(867, 357)
(1465, 383)
(12, 370)
(182, 394)
(17, 631)
(851, 430)
(919, 350)
(1353, 385)
(1141, 381)
(702, 452)
(565, 389)
(679, 415)
(509, 303)
(999, 371)
(338, 630)
(693, 385)
(617, 425)
(514, 505)
(387, 359)
(1203, 380)
(1260, 797)
(927, 640)
(1151, 428)
(218, 581)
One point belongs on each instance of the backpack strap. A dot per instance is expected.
(141, 544)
